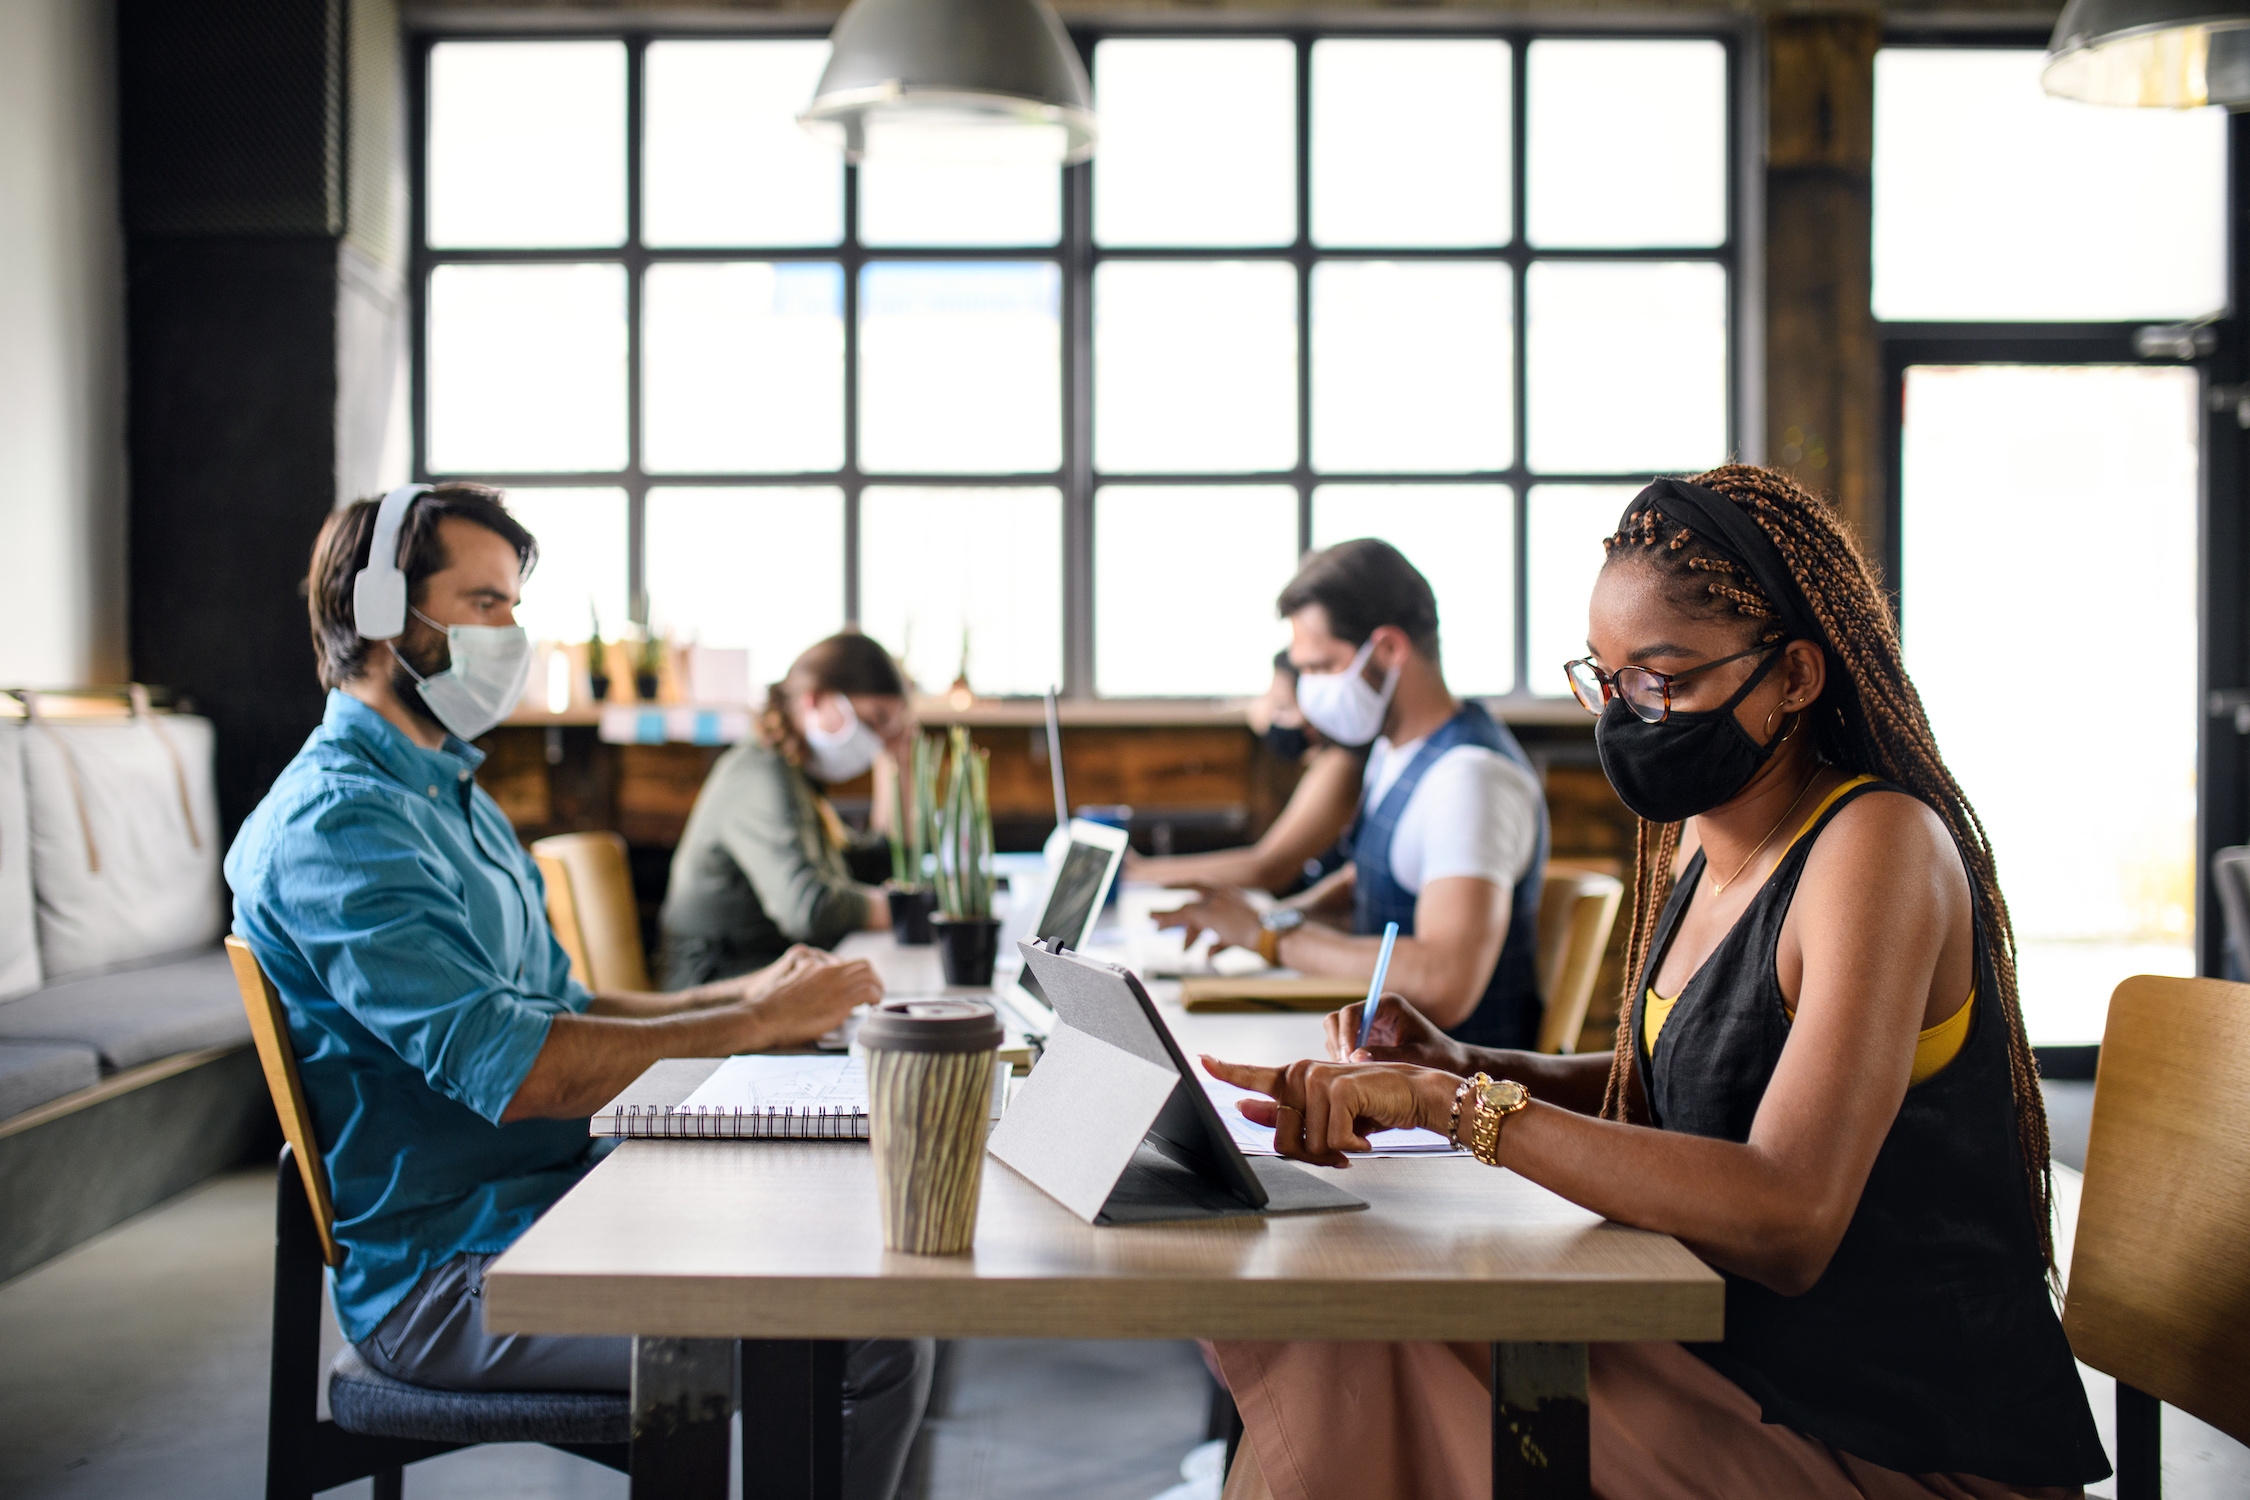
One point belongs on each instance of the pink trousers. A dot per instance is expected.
(1413, 1421)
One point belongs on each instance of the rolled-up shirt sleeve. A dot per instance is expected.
(379, 916)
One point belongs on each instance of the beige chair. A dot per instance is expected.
(1576, 910)
(2159, 1276)
(377, 1426)
(590, 905)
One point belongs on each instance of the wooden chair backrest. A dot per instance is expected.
(1577, 908)
(2160, 1273)
(269, 1028)
(590, 905)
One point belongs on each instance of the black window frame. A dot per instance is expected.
(1077, 255)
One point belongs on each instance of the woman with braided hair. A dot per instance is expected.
(1821, 1082)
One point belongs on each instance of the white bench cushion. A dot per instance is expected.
(19, 928)
(124, 839)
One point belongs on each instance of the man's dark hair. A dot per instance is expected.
(341, 551)
(1363, 585)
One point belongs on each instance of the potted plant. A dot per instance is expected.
(913, 825)
(967, 934)
(648, 665)
(597, 659)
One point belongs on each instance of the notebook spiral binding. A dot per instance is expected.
(676, 1122)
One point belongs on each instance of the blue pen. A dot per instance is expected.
(1375, 988)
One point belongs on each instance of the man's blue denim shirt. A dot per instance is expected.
(406, 929)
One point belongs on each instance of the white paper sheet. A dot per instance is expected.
(1257, 1140)
(771, 1084)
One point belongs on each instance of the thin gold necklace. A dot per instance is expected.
(1718, 888)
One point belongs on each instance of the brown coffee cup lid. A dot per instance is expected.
(932, 1025)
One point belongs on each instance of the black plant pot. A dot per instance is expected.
(910, 914)
(968, 948)
(644, 683)
(598, 684)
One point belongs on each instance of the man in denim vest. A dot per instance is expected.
(1451, 837)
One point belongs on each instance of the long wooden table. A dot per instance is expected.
(692, 1245)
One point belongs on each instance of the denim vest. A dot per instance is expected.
(1508, 1015)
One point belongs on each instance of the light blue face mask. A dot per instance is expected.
(491, 665)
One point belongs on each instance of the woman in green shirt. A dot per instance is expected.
(761, 864)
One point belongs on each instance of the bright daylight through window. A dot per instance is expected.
(1245, 328)
(1997, 204)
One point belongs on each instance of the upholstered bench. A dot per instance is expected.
(125, 1068)
(135, 1015)
(36, 1073)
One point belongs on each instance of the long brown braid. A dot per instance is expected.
(1868, 720)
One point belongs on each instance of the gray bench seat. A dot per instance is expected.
(33, 1073)
(135, 1016)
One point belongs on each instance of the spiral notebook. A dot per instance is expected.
(789, 1097)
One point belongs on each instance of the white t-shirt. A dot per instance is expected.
(1474, 812)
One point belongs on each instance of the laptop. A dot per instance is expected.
(1084, 871)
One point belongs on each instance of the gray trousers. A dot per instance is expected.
(436, 1337)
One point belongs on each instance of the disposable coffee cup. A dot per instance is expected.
(929, 1095)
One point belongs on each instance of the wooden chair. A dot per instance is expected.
(1576, 911)
(590, 905)
(379, 1425)
(2159, 1281)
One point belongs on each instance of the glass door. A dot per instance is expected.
(2047, 563)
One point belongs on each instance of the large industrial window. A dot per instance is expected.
(2045, 521)
(1463, 292)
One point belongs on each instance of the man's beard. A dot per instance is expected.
(427, 656)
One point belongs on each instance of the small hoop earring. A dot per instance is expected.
(1781, 707)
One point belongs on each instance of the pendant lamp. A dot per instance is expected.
(2157, 54)
(953, 80)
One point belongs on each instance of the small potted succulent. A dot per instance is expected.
(913, 826)
(597, 659)
(968, 935)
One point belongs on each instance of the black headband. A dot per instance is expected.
(1728, 530)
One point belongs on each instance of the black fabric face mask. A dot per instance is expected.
(1689, 763)
(1286, 743)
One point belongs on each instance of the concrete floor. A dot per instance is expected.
(135, 1366)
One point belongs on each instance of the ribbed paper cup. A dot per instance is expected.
(929, 1094)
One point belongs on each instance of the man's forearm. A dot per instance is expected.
(588, 1060)
(1425, 971)
(649, 1005)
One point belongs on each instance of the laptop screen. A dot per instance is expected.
(1078, 885)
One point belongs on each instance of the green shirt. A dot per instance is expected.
(755, 872)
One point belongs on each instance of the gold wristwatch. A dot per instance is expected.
(1496, 1100)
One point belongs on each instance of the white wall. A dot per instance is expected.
(62, 459)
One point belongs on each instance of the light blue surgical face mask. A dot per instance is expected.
(491, 665)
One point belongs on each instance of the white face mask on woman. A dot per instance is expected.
(491, 664)
(833, 755)
(1341, 705)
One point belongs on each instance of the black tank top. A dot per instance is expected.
(1929, 1345)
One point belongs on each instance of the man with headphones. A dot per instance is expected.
(449, 1058)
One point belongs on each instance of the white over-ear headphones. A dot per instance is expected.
(379, 592)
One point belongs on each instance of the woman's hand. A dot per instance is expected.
(1401, 1034)
(1320, 1110)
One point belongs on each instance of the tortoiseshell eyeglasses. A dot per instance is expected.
(1647, 693)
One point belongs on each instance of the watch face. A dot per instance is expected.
(1507, 1096)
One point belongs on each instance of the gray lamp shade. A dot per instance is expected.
(953, 78)
(2162, 54)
